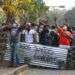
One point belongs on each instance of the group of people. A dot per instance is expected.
(47, 35)
(37, 34)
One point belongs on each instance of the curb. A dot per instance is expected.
(18, 70)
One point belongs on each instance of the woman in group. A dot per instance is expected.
(65, 36)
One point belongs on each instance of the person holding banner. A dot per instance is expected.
(54, 37)
(30, 34)
(44, 36)
(65, 36)
(14, 30)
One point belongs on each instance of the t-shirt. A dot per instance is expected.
(54, 38)
(29, 36)
(64, 40)
(14, 33)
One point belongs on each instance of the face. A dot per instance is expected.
(64, 27)
(28, 27)
(46, 28)
(15, 25)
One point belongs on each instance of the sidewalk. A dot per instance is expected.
(13, 71)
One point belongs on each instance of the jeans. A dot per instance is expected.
(14, 54)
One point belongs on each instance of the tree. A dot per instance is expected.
(29, 9)
(2, 17)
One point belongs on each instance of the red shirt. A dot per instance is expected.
(64, 37)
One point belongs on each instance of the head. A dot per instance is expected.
(69, 29)
(53, 27)
(15, 25)
(65, 28)
(45, 27)
(28, 26)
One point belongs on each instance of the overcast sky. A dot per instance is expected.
(67, 3)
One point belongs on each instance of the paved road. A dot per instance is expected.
(39, 71)
(49, 72)
(5, 71)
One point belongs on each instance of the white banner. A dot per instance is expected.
(44, 55)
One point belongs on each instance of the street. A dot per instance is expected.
(37, 71)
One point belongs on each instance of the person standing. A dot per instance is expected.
(65, 36)
(54, 37)
(13, 30)
(30, 34)
(44, 36)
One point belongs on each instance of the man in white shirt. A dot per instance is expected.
(30, 34)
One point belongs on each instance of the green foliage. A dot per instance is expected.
(2, 17)
(32, 9)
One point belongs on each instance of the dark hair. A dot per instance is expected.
(45, 27)
(69, 28)
(53, 27)
(73, 28)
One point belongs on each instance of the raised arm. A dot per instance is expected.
(5, 28)
(22, 27)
